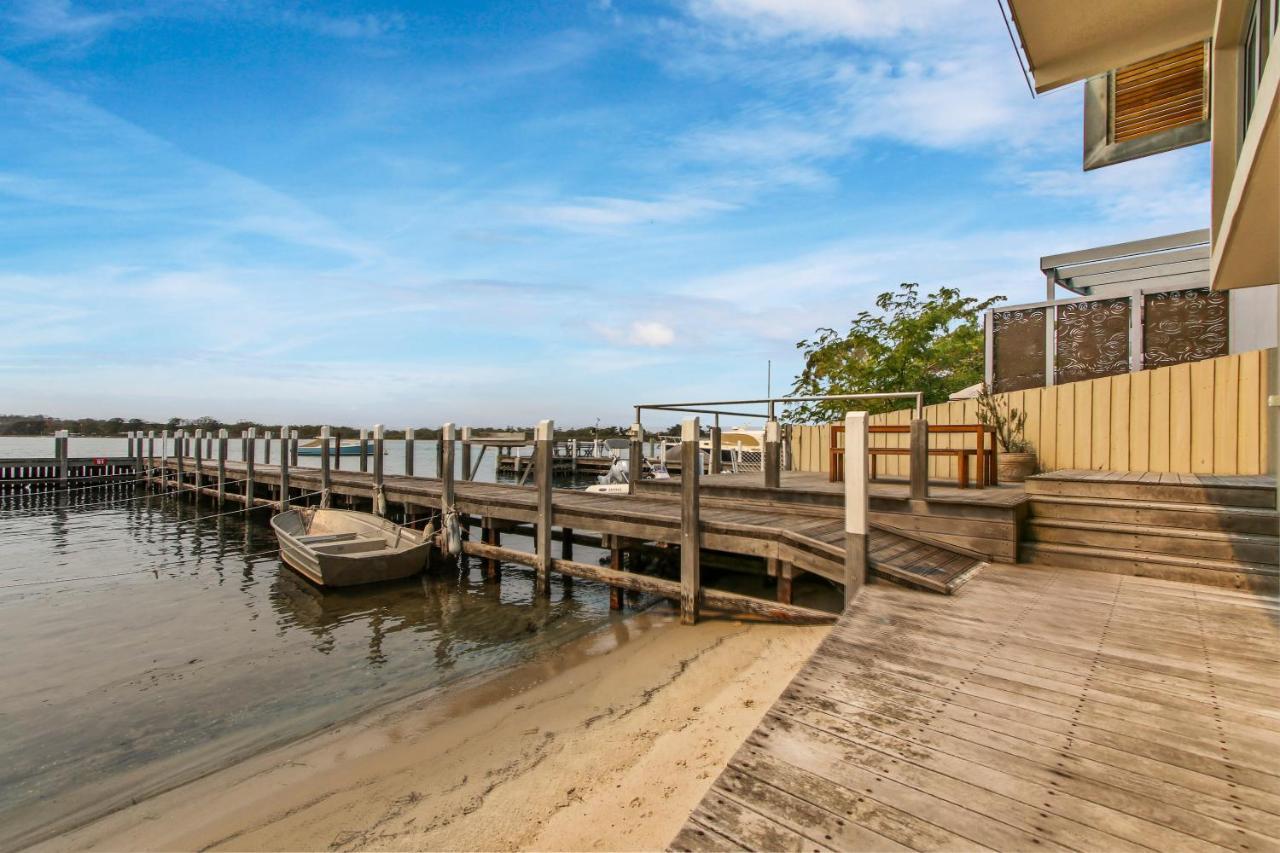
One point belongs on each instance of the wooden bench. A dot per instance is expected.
(985, 452)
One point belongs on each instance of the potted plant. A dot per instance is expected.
(1017, 458)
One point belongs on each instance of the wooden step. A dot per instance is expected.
(1233, 519)
(1174, 541)
(1220, 573)
(1256, 492)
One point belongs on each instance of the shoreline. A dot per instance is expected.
(609, 743)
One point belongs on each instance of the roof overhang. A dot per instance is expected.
(1070, 41)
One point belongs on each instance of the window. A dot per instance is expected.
(1259, 34)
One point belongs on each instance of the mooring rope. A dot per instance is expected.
(115, 501)
(103, 484)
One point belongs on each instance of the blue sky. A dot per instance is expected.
(484, 212)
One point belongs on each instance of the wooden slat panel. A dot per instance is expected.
(1180, 418)
(1250, 447)
(1202, 400)
(1226, 413)
(1158, 421)
(1066, 426)
(1100, 440)
(1031, 405)
(1118, 450)
(1159, 94)
(1049, 429)
(1139, 421)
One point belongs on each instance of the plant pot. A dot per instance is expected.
(1016, 467)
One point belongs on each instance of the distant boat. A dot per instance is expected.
(337, 547)
(350, 447)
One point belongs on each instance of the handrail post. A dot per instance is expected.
(222, 467)
(542, 462)
(466, 453)
(251, 436)
(408, 451)
(284, 468)
(772, 457)
(690, 523)
(325, 481)
(364, 451)
(635, 461)
(716, 434)
(379, 498)
(919, 456)
(856, 504)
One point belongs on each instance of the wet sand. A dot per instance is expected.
(607, 746)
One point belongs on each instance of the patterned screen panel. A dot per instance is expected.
(1091, 339)
(1182, 326)
(1018, 349)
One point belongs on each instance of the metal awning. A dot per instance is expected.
(1172, 261)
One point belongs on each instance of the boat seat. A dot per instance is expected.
(325, 537)
(355, 545)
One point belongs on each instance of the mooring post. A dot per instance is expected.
(440, 458)
(715, 446)
(772, 460)
(466, 453)
(379, 497)
(60, 441)
(856, 504)
(337, 451)
(284, 468)
(919, 456)
(244, 444)
(635, 461)
(208, 445)
(151, 452)
(690, 523)
(164, 460)
(444, 453)
(248, 469)
(324, 466)
(616, 593)
(266, 447)
(129, 438)
(786, 447)
(293, 448)
(543, 451)
(137, 449)
(364, 451)
(198, 448)
(408, 451)
(222, 467)
(179, 450)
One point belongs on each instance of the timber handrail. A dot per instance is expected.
(986, 457)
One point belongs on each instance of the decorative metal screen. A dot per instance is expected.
(1091, 339)
(1183, 325)
(1018, 349)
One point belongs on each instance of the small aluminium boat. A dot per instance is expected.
(335, 547)
(350, 447)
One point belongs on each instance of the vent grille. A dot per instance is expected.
(1162, 93)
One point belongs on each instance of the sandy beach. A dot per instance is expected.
(609, 745)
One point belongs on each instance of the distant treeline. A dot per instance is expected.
(117, 427)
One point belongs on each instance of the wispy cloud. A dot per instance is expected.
(612, 214)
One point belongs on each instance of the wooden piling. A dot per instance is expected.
(690, 532)
(543, 450)
(284, 469)
(635, 459)
(408, 452)
(138, 470)
(222, 467)
(208, 445)
(490, 534)
(716, 447)
(856, 504)
(616, 593)
(164, 460)
(61, 441)
(198, 448)
(252, 438)
(179, 451)
(293, 448)
(129, 437)
(466, 453)
(337, 452)
(566, 543)
(244, 444)
(379, 499)
(266, 447)
(784, 572)
(919, 456)
(325, 480)
(772, 456)
(151, 451)
(364, 451)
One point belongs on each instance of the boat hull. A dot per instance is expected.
(337, 548)
(345, 450)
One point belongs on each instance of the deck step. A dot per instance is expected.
(1223, 491)
(1174, 541)
(1234, 519)
(1231, 574)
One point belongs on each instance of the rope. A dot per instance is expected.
(134, 498)
(131, 572)
(101, 485)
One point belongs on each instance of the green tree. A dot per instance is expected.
(932, 344)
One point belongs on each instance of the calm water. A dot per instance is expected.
(146, 643)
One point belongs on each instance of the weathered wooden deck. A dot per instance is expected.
(1038, 708)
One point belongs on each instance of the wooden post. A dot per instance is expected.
(919, 457)
(337, 452)
(492, 536)
(151, 451)
(786, 447)
(249, 460)
(466, 453)
(566, 543)
(164, 459)
(772, 457)
(196, 445)
(617, 595)
(208, 445)
(440, 458)
(138, 470)
(784, 572)
(444, 453)
(379, 499)
(635, 462)
(266, 447)
(542, 462)
(179, 450)
(716, 446)
(284, 468)
(408, 452)
(293, 448)
(222, 467)
(129, 437)
(244, 444)
(690, 524)
(61, 441)
(364, 451)
(856, 504)
(324, 464)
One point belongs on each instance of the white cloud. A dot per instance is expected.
(639, 333)
(596, 213)
(826, 19)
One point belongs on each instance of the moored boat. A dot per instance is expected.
(351, 447)
(335, 547)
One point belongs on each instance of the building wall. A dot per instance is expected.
(1206, 417)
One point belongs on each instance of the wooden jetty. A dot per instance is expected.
(1039, 708)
